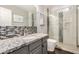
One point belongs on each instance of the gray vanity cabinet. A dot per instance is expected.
(38, 46)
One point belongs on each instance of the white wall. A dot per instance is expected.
(5, 16)
(41, 29)
(54, 24)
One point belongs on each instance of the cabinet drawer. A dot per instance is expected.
(45, 48)
(38, 50)
(34, 45)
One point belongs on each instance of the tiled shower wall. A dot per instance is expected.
(12, 31)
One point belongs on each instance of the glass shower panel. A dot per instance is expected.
(69, 26)
(60, 26)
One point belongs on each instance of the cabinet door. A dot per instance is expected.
(38, 50)
(34, 45)
(44, 48)
(22, 50)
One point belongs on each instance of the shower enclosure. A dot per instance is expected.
(65, 26)
(68, 26)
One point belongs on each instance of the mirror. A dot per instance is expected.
(17, 15)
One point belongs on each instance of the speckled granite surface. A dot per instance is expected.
(14, 43)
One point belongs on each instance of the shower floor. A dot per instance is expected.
(70, 48)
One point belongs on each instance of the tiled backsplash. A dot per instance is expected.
(11, 31)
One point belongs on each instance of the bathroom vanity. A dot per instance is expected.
(30, 44)
(17, 34)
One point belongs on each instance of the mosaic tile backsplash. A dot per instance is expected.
(12, 31)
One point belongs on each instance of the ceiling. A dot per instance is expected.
(26, 7)
(33, 8)
(54, 6)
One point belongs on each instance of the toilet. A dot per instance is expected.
(51, 44)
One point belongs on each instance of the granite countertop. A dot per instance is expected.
(8, 45)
